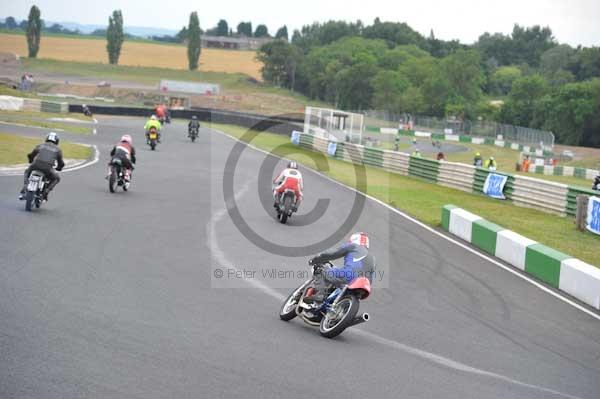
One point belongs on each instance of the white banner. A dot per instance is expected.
(593, 215)
(494, 185)
(295, 137)
(331, 148)
(188, 87)
(422, 134)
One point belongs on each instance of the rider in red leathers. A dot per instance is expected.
(289, 179)
(125, 151)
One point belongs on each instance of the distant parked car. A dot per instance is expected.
(104, 83)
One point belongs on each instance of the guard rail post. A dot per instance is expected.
(581, 215)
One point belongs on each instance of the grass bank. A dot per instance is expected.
(14, 149)
(424, 200)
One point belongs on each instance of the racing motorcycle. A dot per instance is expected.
(286, 206)
(34, 196)
(116, 177)
(193, 133)
(596, 185)
(152, 138)
(336, 313)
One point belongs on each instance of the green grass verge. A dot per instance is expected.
(40, 119)
(8, 91)
(588, 163)
(424, 200)
(14, 149)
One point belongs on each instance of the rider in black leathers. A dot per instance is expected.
(42, 158)
(193, 124)
(358, 262)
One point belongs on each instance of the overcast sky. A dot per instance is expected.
(574, 22)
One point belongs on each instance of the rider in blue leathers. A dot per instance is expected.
(358, 262)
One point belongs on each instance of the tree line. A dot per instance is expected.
(222, 29)
(536, 81)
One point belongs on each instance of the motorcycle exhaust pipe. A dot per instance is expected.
(360, 319)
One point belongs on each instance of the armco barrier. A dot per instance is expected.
(534, 193)
(554, 268)
(521, 190)
(427, 169)
(571, 202)
(456, 175)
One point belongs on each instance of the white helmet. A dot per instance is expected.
(361, 239)
(53, 137)
(127, 139)
(153, 117)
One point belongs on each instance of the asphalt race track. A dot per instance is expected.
(115, 296)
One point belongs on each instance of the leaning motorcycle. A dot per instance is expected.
(337, 312)
(286, 206)
(152, 138)
(116, 177)
(34, 196)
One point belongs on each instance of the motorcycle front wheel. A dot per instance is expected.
(288, 309)
(340, 317)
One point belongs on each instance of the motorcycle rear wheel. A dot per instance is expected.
(335, 322)
(112, 181)
(287, 205)
(29, 196)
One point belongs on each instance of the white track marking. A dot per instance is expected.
(219, 255)
(90, 163)
(432, 230)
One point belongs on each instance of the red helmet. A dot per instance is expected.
(127, 139)
(361, 239)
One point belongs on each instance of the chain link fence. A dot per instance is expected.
(516, 134)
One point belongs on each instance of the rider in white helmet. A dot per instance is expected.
(358, 262)
(289, 179)
(125, 151)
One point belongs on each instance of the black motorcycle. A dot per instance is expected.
(596, 185)
(34, 196)
(287, 205)
(117, 176)
(193, 133)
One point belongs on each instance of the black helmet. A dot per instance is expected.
(292, 165)
(53, 138)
